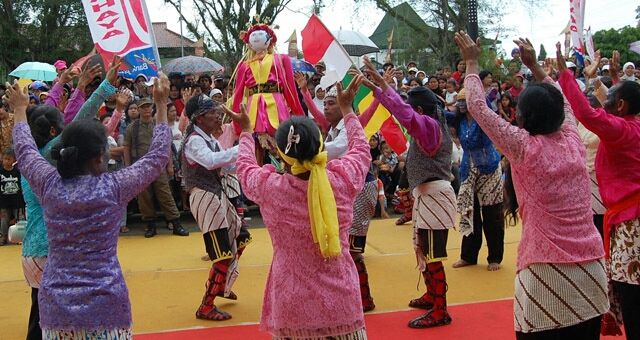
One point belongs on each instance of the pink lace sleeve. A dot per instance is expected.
(253, 178)
(114, 122)
(607, 126)
(354, 165)
(510, 139)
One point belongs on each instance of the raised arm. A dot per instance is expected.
(53, 99)
(132, 180)
(424, 129)
(105, 90)
(608, 127)
(508, 138)
(197, 151)
(354, 165)
(318, 115)
(31, 164)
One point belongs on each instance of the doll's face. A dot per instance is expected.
(259, 40)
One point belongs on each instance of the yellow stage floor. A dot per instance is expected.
(166, 278)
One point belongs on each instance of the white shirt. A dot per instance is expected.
(197, 151)
(112, 144)
(176, 136)
(336, 142)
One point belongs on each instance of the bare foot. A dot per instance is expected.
(492, 267)
(385, 216)
(205, 258)
(461, 263)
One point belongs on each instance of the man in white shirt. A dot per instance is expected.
(336, 144)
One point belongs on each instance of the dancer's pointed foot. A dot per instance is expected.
(213, 314)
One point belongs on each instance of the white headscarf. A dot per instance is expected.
(319, 102)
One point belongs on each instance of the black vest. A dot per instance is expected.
(195, 175)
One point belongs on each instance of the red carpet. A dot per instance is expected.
(477, 321)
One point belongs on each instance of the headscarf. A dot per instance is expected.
(323, 214)
(319, 102)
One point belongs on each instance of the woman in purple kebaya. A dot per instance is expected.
(83, 294)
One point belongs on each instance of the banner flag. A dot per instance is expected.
(123, 27)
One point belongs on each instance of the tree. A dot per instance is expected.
(608, 40)
(638, 15)
(42, 30)
(448, 16)
(219, 23)
(542, 55)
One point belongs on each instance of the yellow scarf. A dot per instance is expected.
(323, 213)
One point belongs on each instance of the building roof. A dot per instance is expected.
(166, 38)
(403, 33)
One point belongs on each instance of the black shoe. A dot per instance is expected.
(151, 230)
(178, 229)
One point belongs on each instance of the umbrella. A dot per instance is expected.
(35, 71)
(356, 43)
(302, 66)
(193, 65)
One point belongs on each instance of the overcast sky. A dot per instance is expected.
(544, 26)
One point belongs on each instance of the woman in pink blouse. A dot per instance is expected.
(617, 165)
(560, 285)
(312, 289)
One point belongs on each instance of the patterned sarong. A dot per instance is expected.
(488, 188)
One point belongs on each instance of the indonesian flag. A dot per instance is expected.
(318, 44)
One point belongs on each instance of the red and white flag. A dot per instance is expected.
(318, 44)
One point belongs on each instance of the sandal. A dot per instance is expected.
(421, 303)
(214, 315)
(427, 320)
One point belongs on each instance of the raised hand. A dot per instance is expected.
(161, 86)
(562, 65)
(18, 99)
(346, 96)
(301, 80)
(469, 50)
(112, 74)
(122, 100)
(187, 93)
(527, 52)
(375, 79)
(389, 75)
(614, 62)
(88, 75)
(241, 118)
(548, 67)
(592, 68)
(68, 75)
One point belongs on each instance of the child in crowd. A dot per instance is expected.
(387, 163)
(11, 202)
(507, 107)
(382, 198)
(451, 96)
